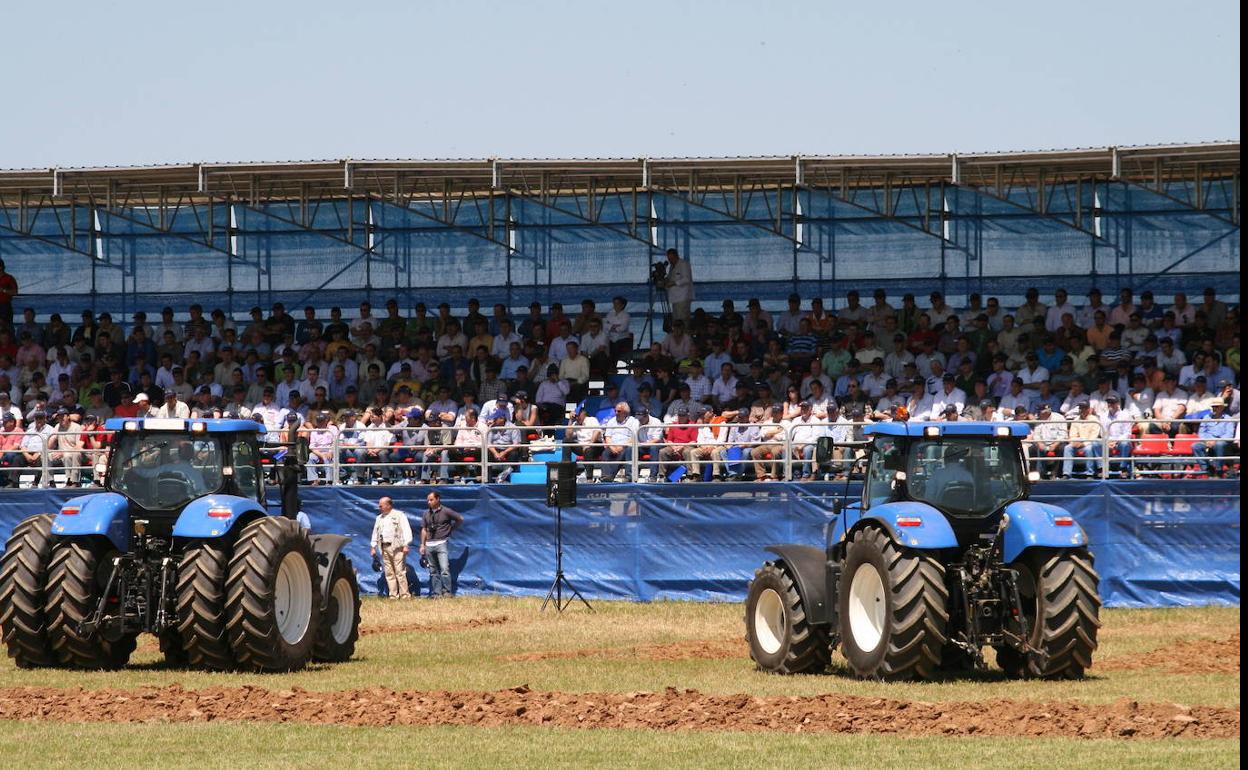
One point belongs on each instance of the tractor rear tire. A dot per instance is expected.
(23, 583)
(272, 596)
(781, 639)
(72, 596)
(892, 603)
(1061, 600)
(201, 605)
(340, 624)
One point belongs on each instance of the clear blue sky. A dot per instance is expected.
(151, 82)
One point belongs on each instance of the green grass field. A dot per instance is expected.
(438, 653)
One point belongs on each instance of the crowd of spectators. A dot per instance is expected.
(435, 389)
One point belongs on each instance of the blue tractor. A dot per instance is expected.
(943, 555)
(180, 545)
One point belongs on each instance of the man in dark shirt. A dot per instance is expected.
(436, 527)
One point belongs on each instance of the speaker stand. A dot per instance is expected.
(556, 592)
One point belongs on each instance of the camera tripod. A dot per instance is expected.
(561, 581)
(665, 309)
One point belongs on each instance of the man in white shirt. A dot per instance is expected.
(1053, 317)
(392, 533)
(617, 322)
(173, 407)
(949, 395)
(1031, 374)
(804, 431)
(1121, 314)
(769, 453)
(586, 434)
(790, 321)
(679, 285)
(618, 434)
(725, 386)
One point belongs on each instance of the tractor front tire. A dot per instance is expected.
(892, 603)
(1059, 589)
(23, 584)
(201, 605)
(72, 596)
(340, 625)
(272, 596)
(781, 638)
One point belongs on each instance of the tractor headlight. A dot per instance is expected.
(198, 427)
(1003, 430)
(931, 430)
(130, 425)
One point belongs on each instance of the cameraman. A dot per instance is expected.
(679, 285)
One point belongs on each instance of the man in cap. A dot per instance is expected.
(35, 442)
(1116, 426)
(502, 444)
(1085, 441)
(143, 406)
(679, 440)
(1049, 439)
(1219, 436)
(804, 431)
(173, 407)
(65, 447)
(321, 446)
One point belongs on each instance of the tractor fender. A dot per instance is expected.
(104, 513)
(809, 566)
(931, 532)
(327, 548)
(1034, 524)
(215, 516)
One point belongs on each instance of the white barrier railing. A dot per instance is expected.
(782, 451)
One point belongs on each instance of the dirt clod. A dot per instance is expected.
(669, 710)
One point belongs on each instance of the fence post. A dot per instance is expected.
(634, 462)
(334, 464)
(45, 475)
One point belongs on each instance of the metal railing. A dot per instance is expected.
(403, 454)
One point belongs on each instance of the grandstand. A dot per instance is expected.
(977, 229)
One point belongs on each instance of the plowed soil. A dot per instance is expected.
(463, 625)
(671, 710)
(1195, 656)
(694, 649)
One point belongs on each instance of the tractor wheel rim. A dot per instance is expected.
(344, 602)
(769, 621)
(292, 598)
(867, 607)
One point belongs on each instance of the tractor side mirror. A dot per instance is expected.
(838, 505)
(1033, 476)
(301, 450)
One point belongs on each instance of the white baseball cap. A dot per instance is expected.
(142, 397)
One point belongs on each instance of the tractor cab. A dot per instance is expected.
(162, 465)
(968, 471)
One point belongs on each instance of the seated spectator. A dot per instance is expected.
(1084, 434)
(1048, 440)
(503, 445)
(1219, 436)
(804, 430)
(585, 436)
(679, 441)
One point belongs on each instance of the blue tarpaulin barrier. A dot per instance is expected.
(1157, 543)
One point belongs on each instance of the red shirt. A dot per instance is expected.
(8, 289)
(682, 435)
(126, 410)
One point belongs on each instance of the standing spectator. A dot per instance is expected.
(617, 323)
(392, 534)
(8, 290)
(436, 528)
(679, 285)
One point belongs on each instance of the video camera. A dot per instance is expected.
(658, 273)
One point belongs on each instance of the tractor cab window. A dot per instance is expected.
(880, 486)
(967, 477)
(244, 463)
(161, 472)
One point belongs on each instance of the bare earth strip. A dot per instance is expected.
(1194, 656)
(693, 649)
(496, 620)
(671, 710)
